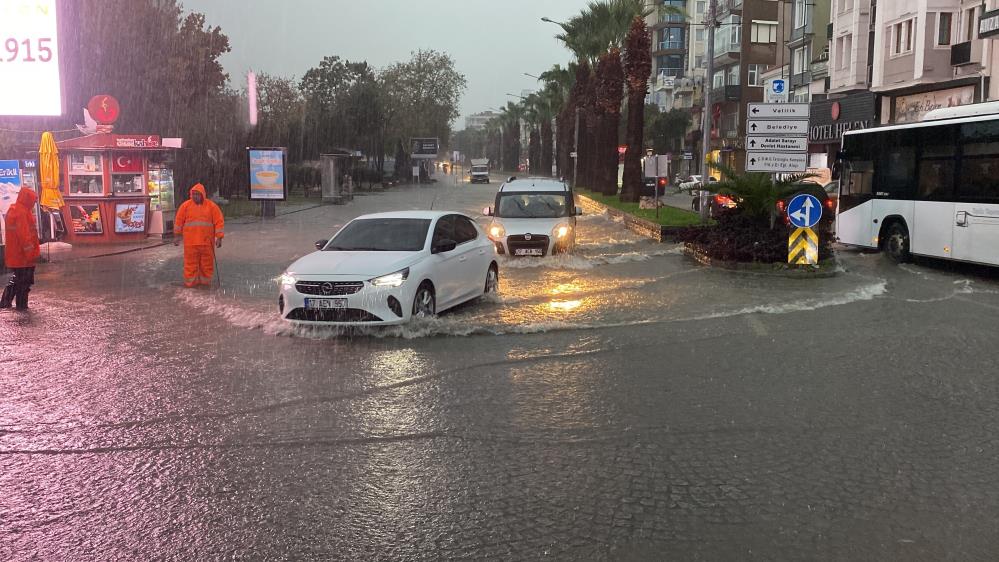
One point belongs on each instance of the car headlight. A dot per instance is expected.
(287, 280)
(496, 231)
(392, 279)
(561, 231)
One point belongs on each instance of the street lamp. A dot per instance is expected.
(515, 96)
(532, 76)
(549, 20)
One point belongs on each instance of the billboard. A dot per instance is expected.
(10, 183)
(268, 181)
(424, 148)
(130, 217)
(29, 56)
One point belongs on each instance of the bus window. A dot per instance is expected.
(896, 167)
(980, 172)
(860, 174)
(936, 173)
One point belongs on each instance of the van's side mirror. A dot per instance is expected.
(320, 244)
(487, 211)
(579, 211)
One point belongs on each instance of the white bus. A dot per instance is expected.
(928, 188)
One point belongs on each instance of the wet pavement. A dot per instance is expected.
(620, 403)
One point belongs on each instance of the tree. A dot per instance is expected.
(638, 67)
(422, 96)
(610, 76)
(668, 129)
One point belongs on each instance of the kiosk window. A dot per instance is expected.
(86, 185)
(127, 183)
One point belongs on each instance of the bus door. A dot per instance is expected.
(976, 212)
(976, 232)
(854, 216)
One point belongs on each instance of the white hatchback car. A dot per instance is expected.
(387, 268)
(533, 217)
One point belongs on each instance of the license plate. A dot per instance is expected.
(528, 252)
(325, 303)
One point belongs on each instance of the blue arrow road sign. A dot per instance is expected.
(804, 210)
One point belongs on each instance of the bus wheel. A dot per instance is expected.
(896, 243)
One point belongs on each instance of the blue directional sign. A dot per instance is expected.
(804, 210)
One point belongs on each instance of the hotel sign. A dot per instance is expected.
(831, 118)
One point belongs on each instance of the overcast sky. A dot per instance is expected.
(492, 42)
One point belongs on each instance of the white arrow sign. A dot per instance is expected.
(778, 110)
(776, 143)
(804, 214)
(786, 162)
(775, 127)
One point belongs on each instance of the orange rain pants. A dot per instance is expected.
(199, 265)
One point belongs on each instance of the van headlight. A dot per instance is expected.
(392, 279)
(496, 231)
(561, 231)
(287, 280)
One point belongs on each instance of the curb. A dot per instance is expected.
(823, 272)
(646, 228)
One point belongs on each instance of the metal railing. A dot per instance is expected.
(674, 45)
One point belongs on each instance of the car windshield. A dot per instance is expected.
(532, 205)
(381, 235)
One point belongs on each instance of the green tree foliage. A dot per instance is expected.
(422, 95)
(668, 129)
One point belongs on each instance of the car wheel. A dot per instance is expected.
(896, 243)
(425, 302)
(492, 279)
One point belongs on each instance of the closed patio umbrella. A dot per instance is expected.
(48, 170)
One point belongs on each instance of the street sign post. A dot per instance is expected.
(778, 111)
(777, 137)
(803, 247)
(776, 143)
(804, 210)
(777, 126)
(779, 162)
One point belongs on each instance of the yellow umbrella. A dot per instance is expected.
(48, 170)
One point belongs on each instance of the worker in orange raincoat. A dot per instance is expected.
(199, 222)
(22, 249)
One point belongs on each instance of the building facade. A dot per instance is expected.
(477, 121)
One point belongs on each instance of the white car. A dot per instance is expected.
(386, 268)
(533, 217)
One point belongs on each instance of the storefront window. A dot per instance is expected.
(85, 163)
(127, 183)
(86, 185)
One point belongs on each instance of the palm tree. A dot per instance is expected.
(638, 65)
(511, 116)
(610, 76)
(558, 85)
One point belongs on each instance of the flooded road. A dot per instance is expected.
(621, 402)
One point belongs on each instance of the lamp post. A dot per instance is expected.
(710, 24)
(501, 139)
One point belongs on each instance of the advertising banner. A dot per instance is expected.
(10, 183)
(130, 217)
(267, 174)
(29, 53)
(86, 219)
(912, 108)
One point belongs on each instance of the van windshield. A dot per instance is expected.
(532, 205)
(478, 169)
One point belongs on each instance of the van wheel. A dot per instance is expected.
(896, 243)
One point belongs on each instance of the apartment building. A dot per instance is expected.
(927, 55)
(748, 43)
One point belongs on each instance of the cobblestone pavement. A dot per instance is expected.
(675, 413)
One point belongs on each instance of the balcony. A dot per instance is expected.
(671, 18)
(726, 93)
(670, 46)
(969, 52)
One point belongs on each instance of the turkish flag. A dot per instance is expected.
(129, 162)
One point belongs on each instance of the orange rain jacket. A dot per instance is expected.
(22, 231)
(200, 224)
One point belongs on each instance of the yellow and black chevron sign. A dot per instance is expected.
(803, 247)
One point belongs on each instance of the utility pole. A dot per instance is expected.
(575, 147)
(710, 24)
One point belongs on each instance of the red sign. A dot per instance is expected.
(126, 162)
(834, 111)
(137, 141)
(104, 109)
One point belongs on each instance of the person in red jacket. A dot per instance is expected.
(22, 249)
(200, 223)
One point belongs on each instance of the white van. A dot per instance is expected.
(533, 217)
